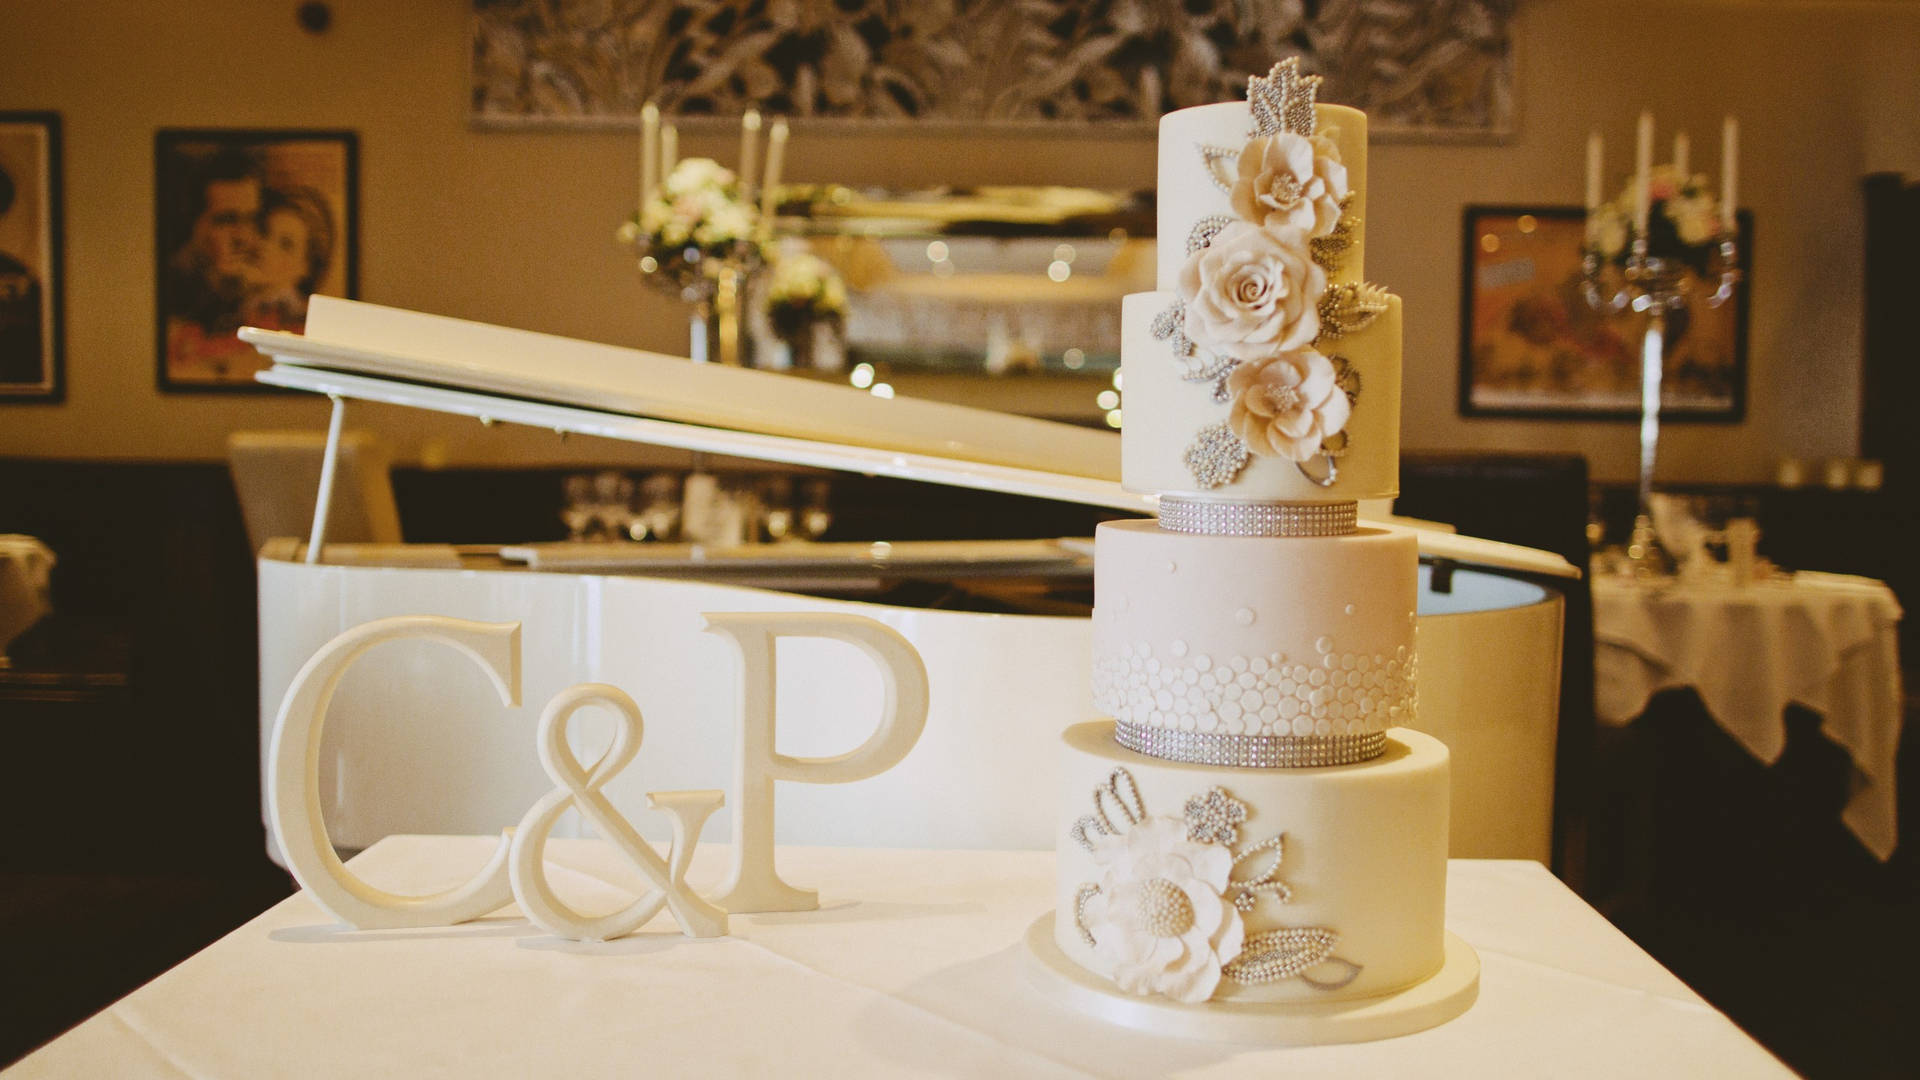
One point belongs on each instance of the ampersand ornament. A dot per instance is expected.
(580, 788)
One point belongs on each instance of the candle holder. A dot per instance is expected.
(699, 234)
(1656, 274)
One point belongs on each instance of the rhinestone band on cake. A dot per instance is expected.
(1250, 751)
(1257, 519)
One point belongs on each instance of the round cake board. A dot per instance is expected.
(1429, 1003)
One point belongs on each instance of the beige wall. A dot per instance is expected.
(515, 228)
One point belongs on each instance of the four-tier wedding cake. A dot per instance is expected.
(1253, 847)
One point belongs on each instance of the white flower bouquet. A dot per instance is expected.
(697, 224)
(804, 291)
(1683, 220)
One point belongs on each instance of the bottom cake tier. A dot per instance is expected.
(1197, 883)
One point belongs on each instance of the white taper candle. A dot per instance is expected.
(1729, 171)
(749, 151)
(1593, 171)
(1682, 149)
(649, 152)
(669, 150)
(1643, 174)
(776, 160)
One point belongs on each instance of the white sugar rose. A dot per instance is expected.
(1288, 179)
(1286, 405)
(1253, 291)
(1160, 922)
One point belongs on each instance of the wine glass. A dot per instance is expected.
(815, 514)
(576, 511)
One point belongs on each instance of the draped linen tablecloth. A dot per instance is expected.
(1829, 642)
(912, 967)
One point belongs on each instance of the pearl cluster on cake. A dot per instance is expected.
(1343, 693)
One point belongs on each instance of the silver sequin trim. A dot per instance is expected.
(1250, 751)
(1257, 519)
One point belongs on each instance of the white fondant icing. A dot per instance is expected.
(1165, 414)
(1308, 659)
(1364, 854)
(1187, 193)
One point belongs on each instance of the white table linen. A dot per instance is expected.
(1826, 641)
(912, 967)
(26, 573)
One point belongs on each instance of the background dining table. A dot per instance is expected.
(1828, 642)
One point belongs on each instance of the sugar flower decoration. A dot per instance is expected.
(1160, 921)
(1252, 291)
(1286, 179)
(1286, 405)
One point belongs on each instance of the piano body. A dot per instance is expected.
(417, 742)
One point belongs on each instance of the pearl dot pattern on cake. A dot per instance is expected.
(1244, 616)
(1345, 694)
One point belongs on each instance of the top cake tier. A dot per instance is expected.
(1192, 189)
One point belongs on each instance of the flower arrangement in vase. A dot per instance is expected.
(807, 307)
(694, 227)
(699, 232)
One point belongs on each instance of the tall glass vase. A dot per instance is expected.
(713, 323)
(702, 335)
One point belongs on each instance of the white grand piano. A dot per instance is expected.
(417, 741)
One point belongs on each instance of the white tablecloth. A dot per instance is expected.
(912, 967)
(1826, 641)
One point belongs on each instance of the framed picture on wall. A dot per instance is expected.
(247, 226)
(1531, 347)
(30, 267)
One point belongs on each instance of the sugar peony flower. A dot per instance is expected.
(1160, 922)
(1288, 179)
(1254, 290)
(1287, 404)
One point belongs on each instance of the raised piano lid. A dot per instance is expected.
(366, 351)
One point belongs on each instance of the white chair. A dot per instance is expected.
(277, 476)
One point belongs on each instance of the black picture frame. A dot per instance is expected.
(230, 207)
(32, 267)
(1532, 349)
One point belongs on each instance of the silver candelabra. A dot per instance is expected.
(1656, 285)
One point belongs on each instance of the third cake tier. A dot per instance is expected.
(1235, 649)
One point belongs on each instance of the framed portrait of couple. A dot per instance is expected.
(30, 268)
(248, 225)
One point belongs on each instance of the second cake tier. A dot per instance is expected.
(1173, 412)
(1205, 638)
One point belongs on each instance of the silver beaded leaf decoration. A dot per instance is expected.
(1350, 307)
(1329, 250)
(1119, 795)
(1247, 891)
(1216, 456)
(1283, 100)
(1222, 162)
(1206, 229)
(1086, 892)
(1346, 376)
(1286, 953)
(1215, 817)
